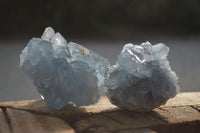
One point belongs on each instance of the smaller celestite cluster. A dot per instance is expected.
(142, 78)
(66, 72)
(63, 72)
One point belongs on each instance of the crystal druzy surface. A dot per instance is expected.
(66, 72)
(142, 78)
(63, 72)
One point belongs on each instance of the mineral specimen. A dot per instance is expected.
(70, 73)
(63, 72)
(142, 78)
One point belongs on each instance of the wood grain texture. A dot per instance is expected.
(139, 130)
(182, 99)
(179, 114)
(70, 110)
(116, 121)
(4, 127)
(26, 122)
(197, 107)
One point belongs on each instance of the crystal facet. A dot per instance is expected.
(64, 73)
(142, 78)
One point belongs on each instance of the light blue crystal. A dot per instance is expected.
(142, 78)
(60, 74)
(48, 34)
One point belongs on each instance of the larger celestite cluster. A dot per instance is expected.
(142, 78)
(63, 72)
(66, 72)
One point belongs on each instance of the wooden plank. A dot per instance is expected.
(26, 122)
(4, 128)
(179, 114)
(105, 117)
(182, 99)
(39, 106)
(116, 121)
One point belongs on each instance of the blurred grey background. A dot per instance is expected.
(103, 26)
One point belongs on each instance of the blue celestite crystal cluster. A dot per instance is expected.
(66, 72)
(142, 78)
(63, 72)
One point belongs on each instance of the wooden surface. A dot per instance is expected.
(27, 122)
(180, 114)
